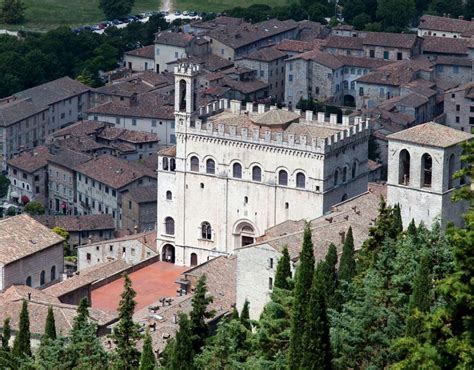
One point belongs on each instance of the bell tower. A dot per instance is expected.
(185, 104)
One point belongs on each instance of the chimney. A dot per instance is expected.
(461, 17)
(235, 106)
(90, 239)
(135, 229)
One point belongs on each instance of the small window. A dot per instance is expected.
(287, 205)
(169, 195)
(206, 231)
(336, 177)
(202, 185)
(42, 277)
(53, 273)
(165, 163)
(172, 164)
(300, 180)
(194, 164)
(28, 281)
(270, 263)
(386, 55)
(283, 178)
(256, 173)
(210, 166)
(111, 248)
(246, 200)
(270, 283)
(237, 171)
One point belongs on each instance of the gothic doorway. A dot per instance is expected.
(167, 253)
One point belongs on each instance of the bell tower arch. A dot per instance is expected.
(185, 105)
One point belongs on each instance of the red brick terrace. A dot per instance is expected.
(151, 283)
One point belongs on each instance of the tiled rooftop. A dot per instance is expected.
(143, 52)
(31, 160)
(431, 22)
(142, 194)
(78, 223)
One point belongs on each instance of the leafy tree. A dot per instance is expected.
(304, 279)
(397, 226)
(283, 270)
(235, 314)
(245, 316)
(395, 15)
(51, 354)
(13, 11)
(317, 346)
(452, 7)
(147, 359)
(65, 234)
(6, 334)
(411, 230)
(34, 208)
(22, 345)
(116, 8)
(347, 267)
(4, 182)
(50, 327)
(180, 352)
(199, 314)
(126, 332)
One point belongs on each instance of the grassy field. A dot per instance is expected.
(43, 15)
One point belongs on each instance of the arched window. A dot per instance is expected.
(195, 164)
(237, 171)
(165, 164)
(451, 172)
(344, 198)
(42, 278)
(182, 95)
(300, 180)
(344, 174)
(336, 176)
(169, 195)
(172, 164)
(210, 166)
(354, 169)
(256, 173)
(169, 226)
(194, 259)
(283, 178)
(206, 231)
(28, 281)
(427, 166)
(404, 168)
(53, 273)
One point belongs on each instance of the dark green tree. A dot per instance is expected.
(50, 327)
(347, 267)
(420, 299)
(330, 272)
(6, 334)
(13, 11)
(4, 184)
(412, 230)
(199, 314)
(304, 279)
(147, 359)
(126, 332)
(53, 354)
(116, 8)
(317, 345)
(180, 354)
(245, 316)
(22, 345)
(34, 208)
(235, 314)
(452, 7)
(395, 15)
(397, 226)
(283, 270)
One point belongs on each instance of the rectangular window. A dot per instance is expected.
(134, 122)
(88, 256)
(457, 119)
(456, 69)
(129, 204)
(153, 123)
(386, 55)
(458, 107)
(111, 248)
(372, 53)
(290, 78)
(117, 120)
(157, 52)
(172, 139)
(107, 190)
(114, 193)
(399, 56)
(176, 54)
(270, 283)
(270, 263)
(471, 109)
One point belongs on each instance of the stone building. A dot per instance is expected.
(431, 25)
(30, 253)
(141, 59)
(139, 209)
(459, 107)
(257, 168)
(421, 163)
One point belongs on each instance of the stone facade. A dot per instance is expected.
(459, 107)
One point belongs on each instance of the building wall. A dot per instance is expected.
(67, 111)
(374, 94)
(33, 185)
(296, 86)
(392, 53)
(32, 265)
(141, 215)
(426, 32)
(138, 64)
(62, 189)
(87, 236)
(165, 54)
(456, 74)
(459, 111)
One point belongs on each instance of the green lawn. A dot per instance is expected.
(220, 5)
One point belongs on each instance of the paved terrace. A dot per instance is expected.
(151, 283)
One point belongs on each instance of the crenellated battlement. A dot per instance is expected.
(325, 135)
(186, 69)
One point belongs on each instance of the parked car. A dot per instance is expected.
(116, 22)
(132, 18)
(192, 14)
(177, 12)
(185, 13)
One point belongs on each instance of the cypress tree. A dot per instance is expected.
(304, 279)
(182, 353)
(126, 332)
(316, 342)
(397, 226)
(283, 270)
(235, 314)
(6, 334)
(412, 230)
(50, 327)
(331, 277)
(245, 316)
(199, 314)
(347, 268)
(22, 345)
(420, 298)
(147, 359)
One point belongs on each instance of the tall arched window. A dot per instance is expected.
(42, 278)
(300, 180)
(336, 176)
(344, 174)
(451, 172)
(169, 226)
(194, 259)
(182, 95)
(283, 178)
(53, 273)
(169, 195)
(237, 170)
(354, 169)
(28, 281)
(404, 167)
(210, 166)
(165, 164)
(194, 164)
(206, 231)
(172, 164)
(427, 166)
(256, 173)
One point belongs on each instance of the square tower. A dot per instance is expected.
(421, 163)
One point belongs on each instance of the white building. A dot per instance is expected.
(421, 163)
(236, 173)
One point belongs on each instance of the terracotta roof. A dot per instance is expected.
(344, 27)
(18, 110)
(131, 136)
(173, 38)
(143, 52)
(431, 22)
(78, 223)
(325, 59)
(67, 158)
(169, 151)
(210, 62)
(373, 166)
(38, 304)
(343, 42)
(217, 22)
(80, 128)
(113, 171)
(276, 117)
(126, 88)
(433, 44)
(266, 54)
(432, 134)
(22, 235)
(455, 61)
(294, 46)
(395, 40)
(31, 160)
(363, 62)
(142, 194)
(245, 87)
(54, 91)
